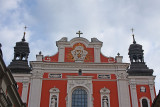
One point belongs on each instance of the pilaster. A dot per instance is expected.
(123, 90)
(25, 83)
(97, 50)
(35, 89)
(61, 54)
(133, 93)
(151, 87)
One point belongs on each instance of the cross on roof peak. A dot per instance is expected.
(79, 33)
(132, 30)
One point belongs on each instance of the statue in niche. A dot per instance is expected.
(53, 101)
(105, 101)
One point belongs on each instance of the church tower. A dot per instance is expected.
(140, 77)
(20, 68)
(137, 66)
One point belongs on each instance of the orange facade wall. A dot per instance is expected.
(53, 58)
(61, 84)
(143, 94)
(45, 95)
(112, 86)
(105, 59)
(20, 86)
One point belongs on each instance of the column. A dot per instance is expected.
(35, 89)
(133, 94)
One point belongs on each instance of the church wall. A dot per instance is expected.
(61, 84)
(143, 94)
(112, 86)
(45, 95)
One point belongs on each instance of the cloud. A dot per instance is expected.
(109, 21)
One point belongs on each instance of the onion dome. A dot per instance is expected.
(20, 62)
(137, 66)
(135, 52)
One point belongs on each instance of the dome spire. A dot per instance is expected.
(133, 36)
(23, 39)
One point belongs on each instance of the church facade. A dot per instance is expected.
(79, 75)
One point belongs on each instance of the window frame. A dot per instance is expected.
(82, 89)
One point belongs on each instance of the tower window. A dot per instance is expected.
(144, 103)
(79, 98)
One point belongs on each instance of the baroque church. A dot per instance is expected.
(79, 75)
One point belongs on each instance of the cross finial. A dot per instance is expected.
(132, 30)
(118, 54)
(25, 27)
(79, 33)
(23, 39)
(133, 36)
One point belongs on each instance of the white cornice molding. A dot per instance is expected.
(148, 80)
(75, 66)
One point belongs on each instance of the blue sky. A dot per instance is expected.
(108, 20)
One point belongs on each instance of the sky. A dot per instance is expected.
(110, 21)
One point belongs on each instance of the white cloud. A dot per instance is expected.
(109, 21)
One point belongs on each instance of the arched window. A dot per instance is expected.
(79, 98)
(144, 103)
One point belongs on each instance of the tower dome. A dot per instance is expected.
(137, 66)
(20, 62)
(136, 52)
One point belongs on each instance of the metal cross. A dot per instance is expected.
(79, 33)
(118, 54)
(132, 30)
(25, 27)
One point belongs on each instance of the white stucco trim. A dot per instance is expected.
(54, 91)
(84, 82)
(105, 92)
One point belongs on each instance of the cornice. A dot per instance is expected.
(76, 66)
